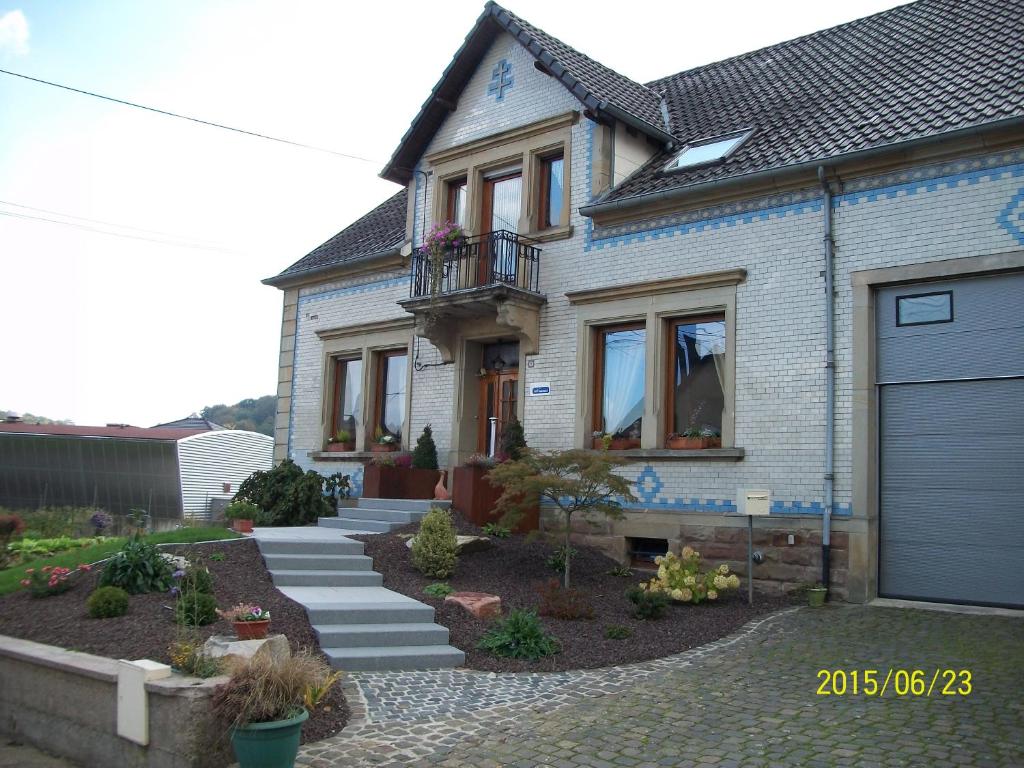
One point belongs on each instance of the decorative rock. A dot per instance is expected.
(464, 544)
(479, 604)
(229, 645)
(177, 562)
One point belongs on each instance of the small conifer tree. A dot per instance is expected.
(435, 548)
(425, 454)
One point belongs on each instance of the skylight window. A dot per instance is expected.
(706, 151)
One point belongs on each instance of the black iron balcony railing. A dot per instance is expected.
(494, 258)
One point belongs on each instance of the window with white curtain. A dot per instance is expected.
(620, 377)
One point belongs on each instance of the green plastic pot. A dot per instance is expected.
(816, 596)
(268, 745)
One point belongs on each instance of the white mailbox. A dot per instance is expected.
(753, 502)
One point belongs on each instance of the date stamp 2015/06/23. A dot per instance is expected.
(896, 682)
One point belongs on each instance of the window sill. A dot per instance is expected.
(553, 233)
(664, 454)
(341, 455)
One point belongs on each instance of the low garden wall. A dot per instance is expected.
(66, 703)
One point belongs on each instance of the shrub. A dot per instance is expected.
(621, 570)
(286, 494)
(195, 609)
(435, 548)
(193, 579)
(681, 578)
(438, 589)
(497, 530)
(218, 557)
(557, 559)
(137, 568)
(618, 632)
(48, 580)
(647, 604)
(188, 657)
(263, 688)
(10, 526)
(513, 441)
(100, 521)
(239, 509)
(563, 603)
(54, 522)
(107, 602)
(519, 635)
(425, 454)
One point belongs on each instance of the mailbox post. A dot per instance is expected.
(752, 503)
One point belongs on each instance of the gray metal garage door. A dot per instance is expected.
(951, 452)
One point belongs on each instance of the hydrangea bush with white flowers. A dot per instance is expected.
(681, 578)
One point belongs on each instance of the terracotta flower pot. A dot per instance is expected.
(251, 630)
(688, 443)
(242, 526)
(340, 447)
(384, 447)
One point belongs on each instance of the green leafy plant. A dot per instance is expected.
(241, 510)
(107, 602)
(195, 578)
(27, 548)
(138, 520)
(513, 441)
(435, 548)
(563, 602)
(54, 522)
(682, 579)
(317, 690)
(341, 436)
(286, 494)
(439, 589)
(623, 571)
(195, 609)
(425, 454)
(337, 486)
(519, 635)
(497, 530)
(218, 557)
(383, 437)
(556, 560)
(618, 632)
(647, 604)
(137, 568)
(575, 481)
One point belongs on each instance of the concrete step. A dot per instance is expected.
(410, 505)
(380, 635)
(326, 578)
(396, 657)
(342, 546)
(351, 524)
(359, 605)
(301, 562)
(402, 516)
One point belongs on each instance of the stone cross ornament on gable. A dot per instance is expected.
(501, 80)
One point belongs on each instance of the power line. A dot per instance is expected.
(186, 117)
(194, 246)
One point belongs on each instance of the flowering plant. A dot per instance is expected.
(480, 460)
(48, 580)
(100, 521)
(244, 612)
(681, 578)
(439, 240)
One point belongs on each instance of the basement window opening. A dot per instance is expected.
(643, 551)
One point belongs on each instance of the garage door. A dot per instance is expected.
(951, 448)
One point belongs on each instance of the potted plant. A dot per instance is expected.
(384, 442)
(476, 496)
(381, 477)
(341, 441)
(816, 594)
(420, 479)
(241, 514)
(250, 621)
(619, 441)
(694, 439)
(265, 702)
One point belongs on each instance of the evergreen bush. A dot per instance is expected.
(107, 602)
(425, 454)
(435, 548)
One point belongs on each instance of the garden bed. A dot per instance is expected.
(148, 629)
(513, 568)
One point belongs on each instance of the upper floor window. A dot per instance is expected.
(696, 376)
(456, 211)
(551, 191)
(619, 383)
(392, 375)
(707, 151)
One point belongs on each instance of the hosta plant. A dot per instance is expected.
(682, 579)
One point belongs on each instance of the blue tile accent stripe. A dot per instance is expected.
(1011, 218)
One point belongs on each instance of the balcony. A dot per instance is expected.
(490, 278)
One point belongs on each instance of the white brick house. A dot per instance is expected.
(646, 301)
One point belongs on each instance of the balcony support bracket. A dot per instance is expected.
(524, 319)
(440, 331)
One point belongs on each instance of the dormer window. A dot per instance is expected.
(707, 151)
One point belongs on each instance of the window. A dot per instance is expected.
(707, 151)
(457, 202)
(619, 383)
(924, 308)
(391, 383)
(348, 397)
(695, 389)
(551, 191)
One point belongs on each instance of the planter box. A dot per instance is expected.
(384, 447)
(475, 497)
(399, 482)
(692, 443)
(617, 444)
(340, 447)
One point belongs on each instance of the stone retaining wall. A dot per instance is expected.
(65, 703)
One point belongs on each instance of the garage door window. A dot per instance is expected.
(924, 308)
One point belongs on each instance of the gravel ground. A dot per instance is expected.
(148, 629)
(515, 567)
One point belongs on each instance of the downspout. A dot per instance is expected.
(830, 375)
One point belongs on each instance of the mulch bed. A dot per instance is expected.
(148, 629)
(513, 568)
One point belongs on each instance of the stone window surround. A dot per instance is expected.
(364, 341)
(523, 147)
(655, 303)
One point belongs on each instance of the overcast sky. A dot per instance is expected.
(101, 328)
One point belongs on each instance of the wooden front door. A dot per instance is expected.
(498, 400)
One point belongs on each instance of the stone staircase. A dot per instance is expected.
(360, 624)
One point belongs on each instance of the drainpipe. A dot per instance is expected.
(830, 375)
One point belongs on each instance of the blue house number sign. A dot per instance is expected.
(541, 388)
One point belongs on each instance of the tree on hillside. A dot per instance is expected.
(255, 415)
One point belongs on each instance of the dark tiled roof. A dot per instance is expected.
(195, 421)
(379, 231)
(910, 72)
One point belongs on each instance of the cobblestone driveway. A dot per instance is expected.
(748, 700)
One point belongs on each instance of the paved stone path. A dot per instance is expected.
(748, 700)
